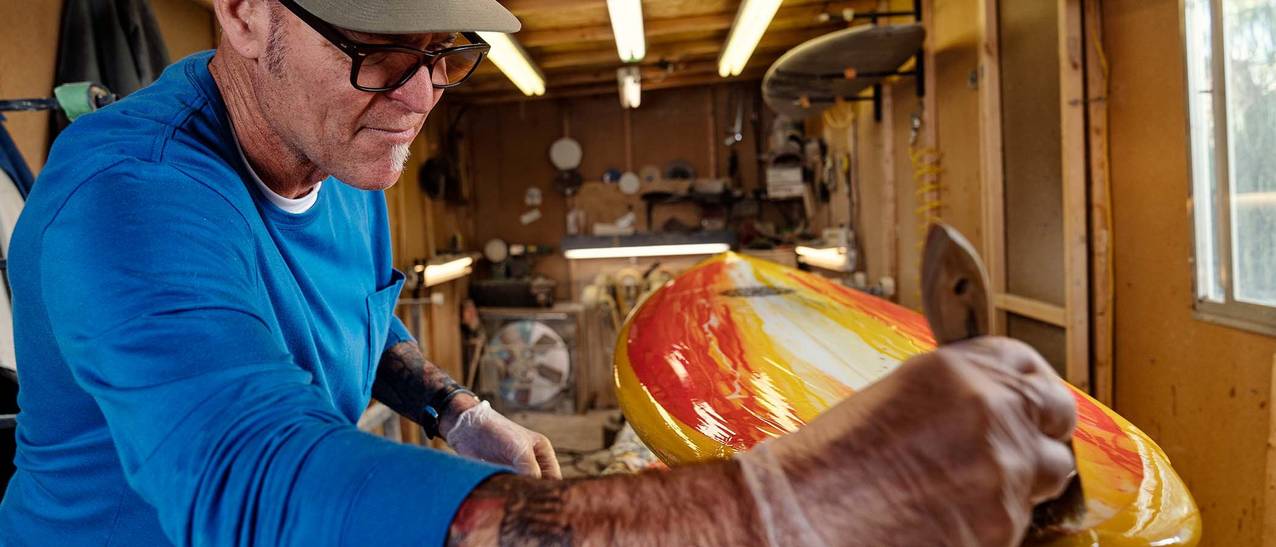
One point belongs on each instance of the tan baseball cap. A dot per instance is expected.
(414, 16)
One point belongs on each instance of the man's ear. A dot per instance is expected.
(245, 25)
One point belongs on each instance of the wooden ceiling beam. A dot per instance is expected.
(610, 89)
(669, 52)
(650, 74)
(786, 18)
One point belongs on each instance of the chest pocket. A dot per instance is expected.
(380, 305)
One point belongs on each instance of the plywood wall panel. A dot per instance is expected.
(671, 125)
(186, 26)
(30, 30)
(1032, 139)
(1200, 390)
(597, 123)
(509, 150)
(957, 116)
(511, 153)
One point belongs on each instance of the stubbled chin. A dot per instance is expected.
(380, 174)
(367, 180)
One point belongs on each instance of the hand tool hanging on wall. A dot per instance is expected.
(955, 298)
(115, 42)
(73, 99)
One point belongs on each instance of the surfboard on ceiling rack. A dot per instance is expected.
(812, 76)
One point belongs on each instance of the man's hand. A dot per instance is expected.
(406, 382)
(482, 433)
(955, 448)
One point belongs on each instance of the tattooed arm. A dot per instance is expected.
(953, 449)
(406, 381)
(697, 505)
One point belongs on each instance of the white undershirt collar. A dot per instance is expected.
(288, 205)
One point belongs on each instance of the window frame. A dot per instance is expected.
(1227, 310)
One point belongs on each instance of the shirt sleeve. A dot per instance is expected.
(397, 335)
(149, 278)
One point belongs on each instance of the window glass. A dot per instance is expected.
(1249, 31)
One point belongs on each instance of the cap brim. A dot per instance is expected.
(414, 16)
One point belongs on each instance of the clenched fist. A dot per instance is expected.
(954, 448)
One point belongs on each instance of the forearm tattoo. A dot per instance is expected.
(696, 505)
(406, 381)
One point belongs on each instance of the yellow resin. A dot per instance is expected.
(744, 350)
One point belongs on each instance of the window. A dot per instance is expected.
(1231, 86)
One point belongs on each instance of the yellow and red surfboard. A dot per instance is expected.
(738, 350)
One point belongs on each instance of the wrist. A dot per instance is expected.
(453, 408)
(776, 498)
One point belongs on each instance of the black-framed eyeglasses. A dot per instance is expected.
(377, 68)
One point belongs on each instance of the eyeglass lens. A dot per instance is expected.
(383, 69)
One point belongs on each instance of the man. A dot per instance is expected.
(202, 289)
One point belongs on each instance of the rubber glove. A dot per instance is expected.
(484, 434)
(954, 448)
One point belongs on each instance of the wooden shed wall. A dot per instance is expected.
(30, 30)
(509, 146)
(1201, 390)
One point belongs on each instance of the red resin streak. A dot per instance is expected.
(690, 334)
(1096, 428)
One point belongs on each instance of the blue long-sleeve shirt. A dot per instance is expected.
(193, 359)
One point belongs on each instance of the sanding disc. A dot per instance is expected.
(630, 183)
(496, 250)
(565, 153)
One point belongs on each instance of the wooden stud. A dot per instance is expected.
(890, 215)
(991, 166)
(929, 137)
(1101, 270)
(629, 140)
(1076, 252)
(1031, 308)
(711, 105)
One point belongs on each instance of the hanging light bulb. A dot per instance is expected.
(630, 84)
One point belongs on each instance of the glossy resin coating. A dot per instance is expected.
(738, 350)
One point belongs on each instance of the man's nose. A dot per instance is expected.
(418, 93)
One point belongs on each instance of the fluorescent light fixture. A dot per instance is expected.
(510, 57)
(831, 258)
(750, 23)
(626, 25)
(649, 250)
(630, 80)
(447, 271)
